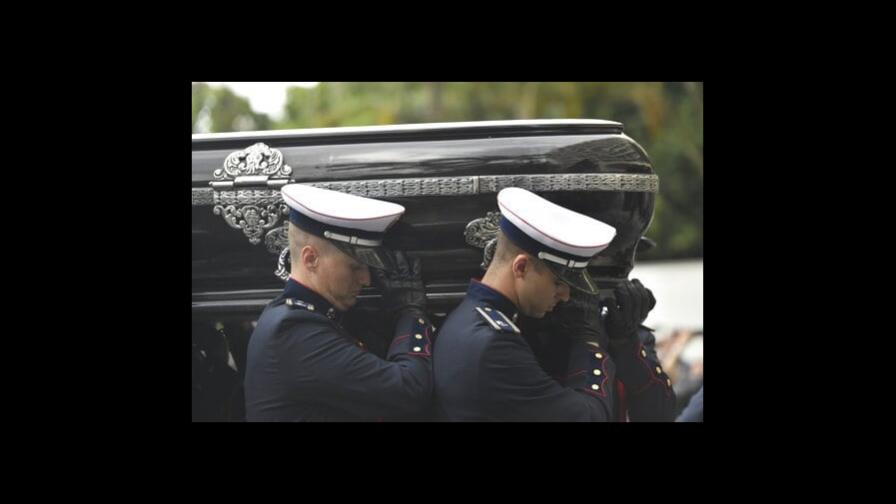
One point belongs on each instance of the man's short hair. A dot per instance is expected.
(298, 238)
(506, 251)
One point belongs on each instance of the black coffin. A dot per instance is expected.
(446, 175)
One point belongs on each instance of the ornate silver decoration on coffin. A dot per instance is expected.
(482, 233)
(252, 211)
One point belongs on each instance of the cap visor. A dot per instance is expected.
(579, 279)
(375, 257)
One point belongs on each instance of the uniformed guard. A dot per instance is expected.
(301, 363)
(485, 370)
(640, 391)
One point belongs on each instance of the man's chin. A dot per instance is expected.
(347, 303)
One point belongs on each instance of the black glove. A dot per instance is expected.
(578, 318)
(403, 287)
(624, 316)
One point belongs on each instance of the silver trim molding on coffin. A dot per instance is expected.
(444, 186)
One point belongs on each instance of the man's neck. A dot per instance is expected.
(501, 280)
(301, 276)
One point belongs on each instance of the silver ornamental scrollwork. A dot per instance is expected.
(277, 239)
(252, 211)
(277, 243)
(281, 271)
(483, 233)
(257, 159)
(452, 186)
(251, 219)
(488, 253)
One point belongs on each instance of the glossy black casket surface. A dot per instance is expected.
(446, 176)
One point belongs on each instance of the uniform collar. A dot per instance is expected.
(483, 293)
(297, 290)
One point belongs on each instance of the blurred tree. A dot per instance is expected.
(220, 109)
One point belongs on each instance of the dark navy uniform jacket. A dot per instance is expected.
(644, 390)
(303, 365)
(485, 370)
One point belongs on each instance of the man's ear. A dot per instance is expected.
(310, 257)
(520, 265)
